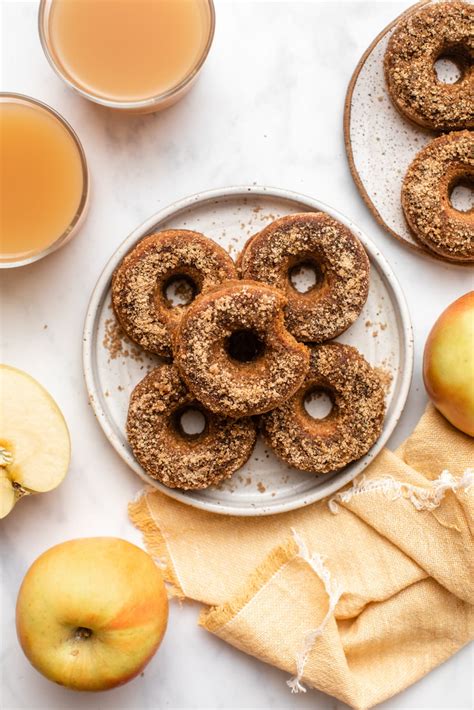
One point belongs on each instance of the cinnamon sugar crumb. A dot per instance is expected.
(385, 376)
(117, 344)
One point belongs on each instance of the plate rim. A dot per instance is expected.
(417, 248)
(100, 291)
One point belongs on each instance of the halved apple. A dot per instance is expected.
(35, 448)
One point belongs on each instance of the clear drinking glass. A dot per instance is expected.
(145, 105)
(26, 161)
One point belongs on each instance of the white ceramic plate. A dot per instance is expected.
(230, 216)
(381, 144)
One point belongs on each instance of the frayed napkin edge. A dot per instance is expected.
(216, 617)
(141, 516)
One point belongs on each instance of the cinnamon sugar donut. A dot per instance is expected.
(436, 170)
(234, 352)
(335, 254)
(444, 29)
(140, 281)
(166, 452)
(348, 431)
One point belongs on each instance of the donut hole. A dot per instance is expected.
(318, 403)
(461, 195)
(448, 70)
(179, 290)
(244, 345)
(305, 276)
(190, 422)
(450, 67)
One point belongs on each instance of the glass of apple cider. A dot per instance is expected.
(44, 180)
(136, 55)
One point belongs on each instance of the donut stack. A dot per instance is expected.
(438, 30)
(247, 349)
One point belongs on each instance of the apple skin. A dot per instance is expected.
(105, 585)
(448, 364)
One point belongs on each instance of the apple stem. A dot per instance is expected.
(6, 458)
(19, 490)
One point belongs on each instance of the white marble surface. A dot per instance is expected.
(268, 110)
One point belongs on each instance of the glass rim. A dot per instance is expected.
(83, 203)
(137, 104)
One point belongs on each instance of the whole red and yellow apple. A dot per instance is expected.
(448, 364)
(91, 612)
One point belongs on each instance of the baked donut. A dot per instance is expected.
(428, 183)
(441, 29)
(348, 431)
(166, 452)
(234, 352)
(337, 258)
(140, 282)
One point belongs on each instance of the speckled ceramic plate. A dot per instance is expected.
(381, 144)
(113, 365)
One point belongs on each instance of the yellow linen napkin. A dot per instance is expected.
(358, 596)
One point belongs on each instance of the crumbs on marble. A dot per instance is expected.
(261, 487)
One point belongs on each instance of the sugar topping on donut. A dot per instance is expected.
(234, 352)
(348, 431)
(166, 452)
(140, 281)
(436, 169)
(440, 29)
(336, 300)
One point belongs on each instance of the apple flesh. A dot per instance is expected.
(448, 364)
(91, 612)
(35, 447)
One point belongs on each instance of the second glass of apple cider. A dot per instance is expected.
(135, 55)
(43, 180)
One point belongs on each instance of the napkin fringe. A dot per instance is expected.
(333, 590)
(215, 618)
(422, 498)
(141, 516)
